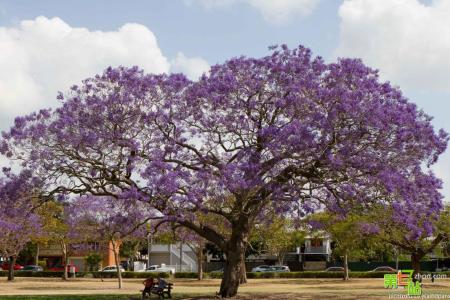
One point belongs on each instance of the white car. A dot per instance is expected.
(280, 269)
(263, 268)
(112, 269)
(160, 269)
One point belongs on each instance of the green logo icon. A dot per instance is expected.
(403, 279)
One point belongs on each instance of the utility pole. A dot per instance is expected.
(149, 248)
(181, 254)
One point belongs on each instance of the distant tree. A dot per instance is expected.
(278, 236)
(108, 221)
(131, 247)
(348, 233)
(57, 228)
(417, 243)
(18, 219)
(195, 242)
(93, 261)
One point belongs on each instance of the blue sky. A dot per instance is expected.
(198, 30)
(406, 39)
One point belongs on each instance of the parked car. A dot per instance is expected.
(279, 269)
(335, 269)
(32, 268)
(60, 268)
(5, 266)
(384, 269)
(160, 269)
(217, 271)
(112, 269)
(263, 268)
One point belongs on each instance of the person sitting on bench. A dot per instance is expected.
(148, 283)
(162, 284)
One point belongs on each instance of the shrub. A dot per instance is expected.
(85, 274)
(186, 275)
(214, 275)
(93, 261)
(129, 274)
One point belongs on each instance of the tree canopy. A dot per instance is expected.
(286, 131)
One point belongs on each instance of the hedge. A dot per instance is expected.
(187, 275)
(125, 274)
(217, 275)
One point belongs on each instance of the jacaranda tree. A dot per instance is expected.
(287, 132)
(19, 222)
(108, 221)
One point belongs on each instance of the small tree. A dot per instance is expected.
(109, 220)
(417, 243)
(278, 236)
(58, 227)
(196, 243)
(348, 234)
(18, 220)
(93, 261)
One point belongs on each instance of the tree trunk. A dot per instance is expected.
(200, 262)
(346, 277)
(65, 260)
(279, 259)
(233, 266)
(243, 278)
(415, 262)
(36, 258)
(396, 258)
(12, 263)
(116, 259)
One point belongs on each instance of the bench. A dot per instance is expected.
(165, 293)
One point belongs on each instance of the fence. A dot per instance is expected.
(429, 266)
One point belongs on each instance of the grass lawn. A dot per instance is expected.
(261, 289)
(74, 297)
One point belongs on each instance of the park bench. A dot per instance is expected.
(164, 293)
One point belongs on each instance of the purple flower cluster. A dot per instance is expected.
(18, 220)
(286, 131)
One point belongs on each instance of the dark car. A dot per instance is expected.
(60, 268)
(5, 266)
(32, 268)
(335, 269)
(384, 269)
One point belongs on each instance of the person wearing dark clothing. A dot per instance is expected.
(161, 285)
(149, 284)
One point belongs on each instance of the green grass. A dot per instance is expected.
(74, 297)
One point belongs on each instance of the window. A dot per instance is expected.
(316, 243)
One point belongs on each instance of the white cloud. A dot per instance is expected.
(210, 4)
(193, 67)
(409, 41)
(442, 171)
(42, 56)
(406, 39)
(281, 11)
(273, 11)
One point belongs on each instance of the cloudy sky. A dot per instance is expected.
(47, 45)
